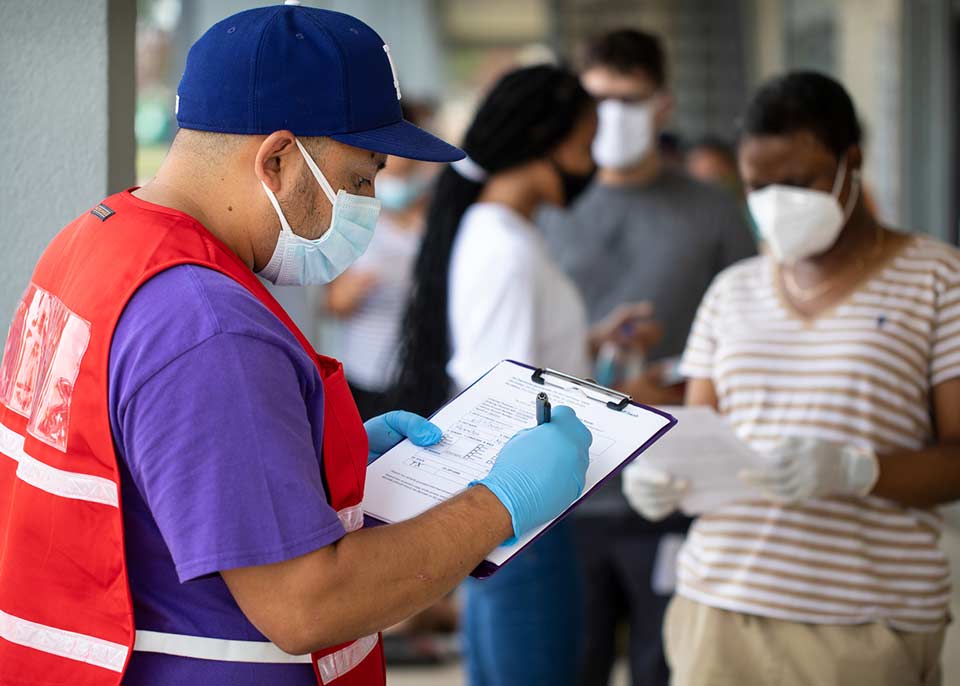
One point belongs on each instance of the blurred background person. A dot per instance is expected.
(713, 160)
(837, 353)
(486, 289)
(643, 231)
(369, 298)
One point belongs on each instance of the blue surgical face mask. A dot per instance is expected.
(397, 193)
(299, 261)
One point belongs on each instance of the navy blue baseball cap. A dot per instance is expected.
(309, 71)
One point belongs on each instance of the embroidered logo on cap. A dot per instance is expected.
(102, 212)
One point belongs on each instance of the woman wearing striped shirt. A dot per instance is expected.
(838, 354)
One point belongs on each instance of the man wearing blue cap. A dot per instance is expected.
(180, 474)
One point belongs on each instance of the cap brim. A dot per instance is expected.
(403, 139)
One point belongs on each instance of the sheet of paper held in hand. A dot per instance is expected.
(704, 450)
(408, 480)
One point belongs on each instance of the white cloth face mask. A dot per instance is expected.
(625, 133)
(299, 261)
(797, 223)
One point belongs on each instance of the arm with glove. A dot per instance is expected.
(372, 578)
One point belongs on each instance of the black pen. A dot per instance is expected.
(543, 408)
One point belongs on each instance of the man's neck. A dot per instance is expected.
(211, 201)
(641, 174)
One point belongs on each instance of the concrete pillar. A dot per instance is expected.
(68, 95)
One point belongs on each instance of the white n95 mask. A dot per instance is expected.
(625, 133)
(797, 223)
(299, 261)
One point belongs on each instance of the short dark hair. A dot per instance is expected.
(627, 50)
(804, 101)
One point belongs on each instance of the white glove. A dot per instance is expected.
(652, 493)
(801, 468)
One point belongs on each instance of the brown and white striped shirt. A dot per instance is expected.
(860, 373)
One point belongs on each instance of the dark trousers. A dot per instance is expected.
(617, 555)
(521, 626)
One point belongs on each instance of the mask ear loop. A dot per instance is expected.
(317, 174)
(840, 177)
(284, 224)
(854, 195)
(854, 188)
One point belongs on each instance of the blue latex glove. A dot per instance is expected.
(388, 429)
(541, 471)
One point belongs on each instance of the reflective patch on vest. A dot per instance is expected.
(335, 665)
(41, 361)
(69, 644)
(76, 485)
(351, 518)
(102, 212)
(222, 649)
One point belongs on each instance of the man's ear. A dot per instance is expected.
(272, 156)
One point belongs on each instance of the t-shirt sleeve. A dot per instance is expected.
(698, 357)
(945, 360)
(219, 444)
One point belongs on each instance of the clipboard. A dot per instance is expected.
(408, 480)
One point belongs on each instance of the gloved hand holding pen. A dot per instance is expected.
(541, 471)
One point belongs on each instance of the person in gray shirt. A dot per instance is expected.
(642, 231)
(662, 241)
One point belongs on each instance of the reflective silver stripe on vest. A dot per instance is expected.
(330, 666)
(351, 517)
(69, 644)
(76, 485)
(221, 649)
(335, 665)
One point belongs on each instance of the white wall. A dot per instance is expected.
(67, 132)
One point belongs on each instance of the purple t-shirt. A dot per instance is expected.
(217, 417)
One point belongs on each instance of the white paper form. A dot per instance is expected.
(703, 449)
(408, 480)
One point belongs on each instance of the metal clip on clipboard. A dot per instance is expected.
(619, 404)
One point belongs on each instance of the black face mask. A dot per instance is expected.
(573, 184)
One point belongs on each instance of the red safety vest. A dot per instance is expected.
(65, 609)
